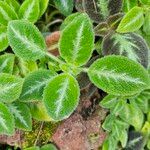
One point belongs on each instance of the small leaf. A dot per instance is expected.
(34, 85)
(77, 41)
(10, 87)
(65, 6)
(132, 21)
(29, 10)
(109, 101)
(22, 115)
(130, 45)
(6, 63)
(61, 96)
(39, 111)
(48, 147)
(26, 40)
(123, 138)
(118, 75)
(32, 148)
(7, 125)
(146, 24)
(43, 4)
(128, 4)
(6, 13)
(132, 115)
(145, 2)
(13, 4)
(3, 38)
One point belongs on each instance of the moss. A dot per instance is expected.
(45, 135)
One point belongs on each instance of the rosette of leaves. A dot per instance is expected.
(99, 10)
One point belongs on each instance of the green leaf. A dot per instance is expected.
(7, 125)
(48, 147)
(10, 87)
(61, 96)
(145, 2)
(146, 24)
(39, 111)
(109, 101)
(117, 75)
(3, 38)
(6, 13)
(132, 21)
(7, 63)
(27, 36)
(13, 4)
(77, 41)
(65, 6)
(100, 10)
(123, 138)
(33, 148)
(22, 115)
(29, 10)
(68, 20)
(34, 85)
(130, 45)
(132, 115)
(43, 4)
(128, 4)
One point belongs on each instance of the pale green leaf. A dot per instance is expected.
(7, 63)
(6, 13)
(48, 147)
(13, 4)
(132, 115)
(43, 4)
(128, 4)
(7, 125)
(118, 75)
(26, 40)
(130, 45)
(132, 21)
(39, 111)
(10, 87)
(65, 6)
(61, 96)
(146, 25)
(123, 138)
(29, 10)
(34, 85)
(22, 115)
(32, 148)
(77, 41)
(3, 38)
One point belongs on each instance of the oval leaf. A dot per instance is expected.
(6, 13)
(48, 147)
(117, 75)
(132, 21)
(34, 85)
(29, 10)
(130, 45)
(61, 96)
(43, 4)
(65, 6)
(77, 41)
(22, 115)
(13, 4)
(26, 40)
(128, 4)
(7, 63)
(7, 125)
(10, 87)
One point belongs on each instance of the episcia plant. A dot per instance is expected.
(121, 71)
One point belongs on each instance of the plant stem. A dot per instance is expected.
(54, 58)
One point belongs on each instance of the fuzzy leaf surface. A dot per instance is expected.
(26, 40)
(7, 63)
(34, 85)
(118, 75)
(77, 41)
(65, 6)
(10, 87)
(61, 96)
(130, 45)
(6, 13)
(22, 116)
(29, 10)
(7, 124)
(13, 4)
(132, 21)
